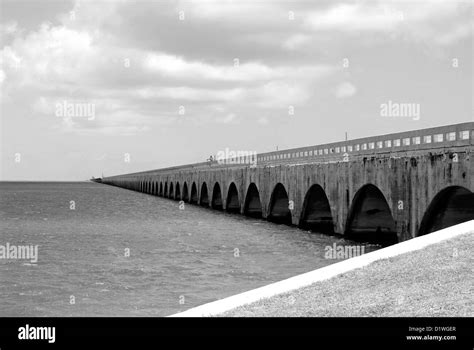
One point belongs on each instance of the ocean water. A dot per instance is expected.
(106, 251)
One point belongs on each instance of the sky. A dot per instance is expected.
(92, 88)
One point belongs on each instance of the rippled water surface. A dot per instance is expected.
(178, 258)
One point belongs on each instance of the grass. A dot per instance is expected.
(434, 281)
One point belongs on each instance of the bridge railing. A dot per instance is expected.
(417, 140)
(432, 138)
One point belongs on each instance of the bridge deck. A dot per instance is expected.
(397, 144)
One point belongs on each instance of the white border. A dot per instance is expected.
(324, 273)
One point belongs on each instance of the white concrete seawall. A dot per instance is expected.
(306, 279)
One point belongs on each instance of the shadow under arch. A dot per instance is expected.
(216, 202)
(204, 200)
(451, 206)
(232, 202)
(171, 192)
(279, 208)
(252, 205)
(193, 199)
(185, 196)
(165, 193)
(160, 192)
(177, 192)
(316, 212)
(370, 218)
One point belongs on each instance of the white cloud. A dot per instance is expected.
(228, 119)
(178, 67)
(296, 41)
(51, 54)
(229, 10)
(345, 89)
(9, 27)
(415, 19)
(349, 17)
(190, 94)
(460, 31)
(279, 94)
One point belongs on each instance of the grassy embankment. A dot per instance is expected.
(434, 281)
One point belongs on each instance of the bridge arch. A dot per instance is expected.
(194, 195)
(370, 218)
(452, 205)
(160, 192)
(316, 212)
(204, 199)
(171, 191)
(216, 202)
(177, 192)
(279, 208)
(253, 205)
(165, 193)
(232, 202)
(185, 196)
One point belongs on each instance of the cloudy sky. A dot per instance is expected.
(164, 83)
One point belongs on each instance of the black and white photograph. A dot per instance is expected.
(237, 163)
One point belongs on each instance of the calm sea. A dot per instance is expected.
(106, 251)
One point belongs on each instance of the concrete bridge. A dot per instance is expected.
(385, 188)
